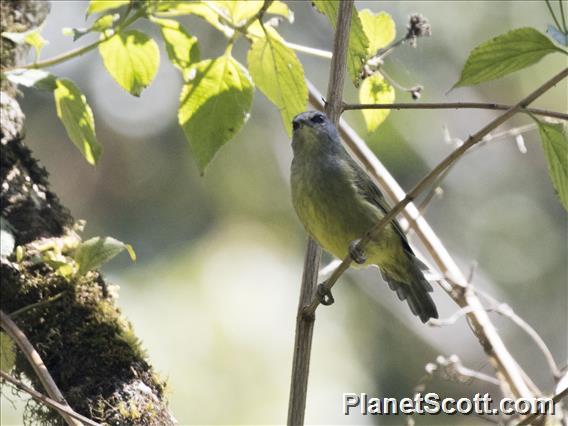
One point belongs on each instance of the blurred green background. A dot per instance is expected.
(213, 295)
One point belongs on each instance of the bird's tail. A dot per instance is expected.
(416, 292)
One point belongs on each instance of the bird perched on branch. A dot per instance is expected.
(338, 203)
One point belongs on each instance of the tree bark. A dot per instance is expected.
(88, 347)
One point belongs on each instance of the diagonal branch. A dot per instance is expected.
(35, 360)
(63, 409)
(305, 324)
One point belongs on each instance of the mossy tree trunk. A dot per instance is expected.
(86, 344)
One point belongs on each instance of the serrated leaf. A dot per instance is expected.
(214, 105)
(77, 118)
(555, 146)
(7, 352)
(358, 42)
(504, 54)
(279, 74)
(132, 59)
(557, 35)
(38, 79)
(97, 6)
(93, 253)
(181, 47)
(375, 90)
(379, 28)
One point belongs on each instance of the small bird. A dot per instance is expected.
(337, 203)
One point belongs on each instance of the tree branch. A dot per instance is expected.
(35, 360)
(305, 324)
(455, 105)
(63, 409)
(555, 400)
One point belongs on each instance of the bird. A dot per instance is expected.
(337, 203)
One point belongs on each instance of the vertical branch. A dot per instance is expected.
(305, 324)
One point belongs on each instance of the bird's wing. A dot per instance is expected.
(373, 195)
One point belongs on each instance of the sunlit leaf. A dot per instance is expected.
(32, 37)
(93, 253)
(7, 352)
(358, 43)
(280, 8)
(182, 48)
(77, 118)
(97, 6)
(279, 74)
(38, 79)
(132, 59)
(555, 146)
(504, 54)
(379, 28)
(206, 11)
(214, 105)
(375, 90)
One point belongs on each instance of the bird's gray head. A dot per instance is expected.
(312, 129)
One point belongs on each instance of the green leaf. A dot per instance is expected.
(38, 79)
(77, 117)
(214, 105)
(32, 37)
(182, 48)
(172, 8)
(132, 59)
(375, 90)
(505, 54)
(380, 30)
(93, 253)
(280, 8)
(97, 6)
(555, 146)
(358, 43)
(278, 73)
(7, 352)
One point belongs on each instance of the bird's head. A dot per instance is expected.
(312, 129)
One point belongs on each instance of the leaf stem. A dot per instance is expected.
(563, 17)
(552, 14)
(455, 105)
(79, 51)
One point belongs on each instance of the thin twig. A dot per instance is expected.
(507, 311)
(305, 324)
(555, 400)
(552, 14)
(433, 175)
(64, 410)
(76, 52)
(36, 362)
(455, 105)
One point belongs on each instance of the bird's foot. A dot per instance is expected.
(357, 254)
(324, 295)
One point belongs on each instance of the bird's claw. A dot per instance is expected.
(357, 254)
(324, 295)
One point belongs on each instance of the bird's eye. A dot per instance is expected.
(318, 118)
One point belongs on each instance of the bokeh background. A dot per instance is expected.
(213, 295)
